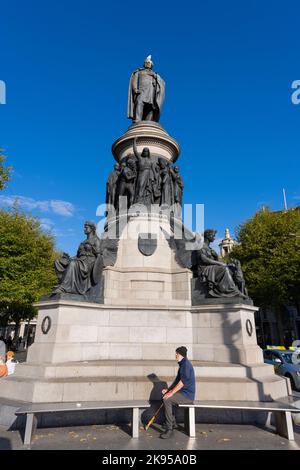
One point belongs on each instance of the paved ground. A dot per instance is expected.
(108, 437)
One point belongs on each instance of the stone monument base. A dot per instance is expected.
(138, 380)
(70, 331)
(95, 352)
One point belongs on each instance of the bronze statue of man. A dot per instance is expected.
(146, 94)
(178, 185)
(177, 190)
(165, 182)
(127, 181)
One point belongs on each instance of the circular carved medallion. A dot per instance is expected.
(46, 325)
(249, 327)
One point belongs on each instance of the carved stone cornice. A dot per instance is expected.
(149, 134)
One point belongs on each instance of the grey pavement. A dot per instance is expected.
(112, 437)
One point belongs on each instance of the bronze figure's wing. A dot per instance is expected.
(97, 269)
(183, 247)
(107, 256)
(109, 249)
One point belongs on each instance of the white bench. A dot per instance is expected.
(31, 410)
(282, 409)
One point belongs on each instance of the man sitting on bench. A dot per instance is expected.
(181, 391)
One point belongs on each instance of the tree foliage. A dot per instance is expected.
(4, 171)
(26, 264)
(270, 257)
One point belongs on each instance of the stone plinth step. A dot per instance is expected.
(137, 369)
(137, 388)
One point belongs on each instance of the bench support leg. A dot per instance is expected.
(284, 424)
(189, 421)
(30, 421)
(135, 422)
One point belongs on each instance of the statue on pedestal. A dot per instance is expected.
(145, 176)
(146, 94)
(221, 279)
(156, 186)
(112, 186)
(80, 276)
(166, 182)
(177, 185)
(127, 181)
(76, 274)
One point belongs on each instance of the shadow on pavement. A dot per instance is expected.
(126, 428)
(297, 429)
(5, 444)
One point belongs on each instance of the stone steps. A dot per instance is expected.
(137, 369)
(137, 388)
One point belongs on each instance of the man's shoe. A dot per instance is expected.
(167, 434)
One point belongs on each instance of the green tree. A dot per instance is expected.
(4, 171)
(26, 265)
(271, 258)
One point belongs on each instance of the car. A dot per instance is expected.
(286, 363)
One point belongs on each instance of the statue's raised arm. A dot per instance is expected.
(135, 150)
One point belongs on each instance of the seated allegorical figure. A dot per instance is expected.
(77, 274)
(221, 279)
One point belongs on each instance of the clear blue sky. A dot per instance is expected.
(228, 68)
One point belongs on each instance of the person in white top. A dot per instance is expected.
(10, 362)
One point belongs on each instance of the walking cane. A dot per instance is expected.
(154, 416)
